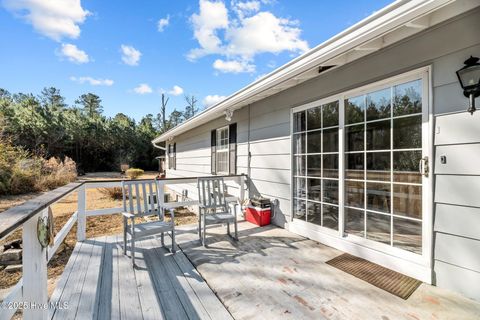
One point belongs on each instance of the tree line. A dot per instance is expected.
(46, 125)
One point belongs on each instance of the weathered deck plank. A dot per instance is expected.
(130, 307)
(106, 290)
(57, 294)
(90, 293)
(146, 291)
(170, 303)
(99, 282)
(189, 301)
(271, 273)
(210, 302)
(74, 284)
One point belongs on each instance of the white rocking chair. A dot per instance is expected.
(213, 207)
(143, 201)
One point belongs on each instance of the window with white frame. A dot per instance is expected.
(222, 154)
(377, 131)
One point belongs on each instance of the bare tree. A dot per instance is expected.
(163, 110)
(191, 107)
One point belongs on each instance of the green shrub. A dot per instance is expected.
(23, 181)
(134, 173)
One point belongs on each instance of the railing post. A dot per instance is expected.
(161, 193)
(241, 199)
(35, 293)
(81, 214)
(241, 184)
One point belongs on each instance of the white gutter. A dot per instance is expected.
(385, 20)
(157, 146)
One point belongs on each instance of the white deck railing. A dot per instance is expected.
(30, 293)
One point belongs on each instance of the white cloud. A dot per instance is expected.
(264, 32)
(93, 81)
(52, 18)
(246, 7)
(242, 34)
(176, 91)
(211, 100)
(233, 66)
(162, 23)
(73, 53)
(143, 88)
(130, 55)
(213, 16)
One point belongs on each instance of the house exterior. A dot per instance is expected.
(364, 141)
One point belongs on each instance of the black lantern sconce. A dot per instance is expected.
(469, 77)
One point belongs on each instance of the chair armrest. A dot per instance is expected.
(128, 215)
(233, 207)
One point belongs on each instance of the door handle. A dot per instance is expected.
(423, 167)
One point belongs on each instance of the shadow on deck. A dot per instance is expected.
(269, 273)
(99, 282)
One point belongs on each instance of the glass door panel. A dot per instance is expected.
(383, 144)
(315, 187)
(383, 148)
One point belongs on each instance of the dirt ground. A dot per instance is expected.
(96, 226)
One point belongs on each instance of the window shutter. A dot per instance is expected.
(232, 147)
(214, 152)
(174, 164)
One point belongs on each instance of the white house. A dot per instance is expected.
(365, 141)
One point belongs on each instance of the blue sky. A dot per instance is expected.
(128, 52)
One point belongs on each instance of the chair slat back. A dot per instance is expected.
(211, 193)
(141, 197)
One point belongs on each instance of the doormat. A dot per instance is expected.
(396, 283)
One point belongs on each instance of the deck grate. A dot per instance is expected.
(391, 281)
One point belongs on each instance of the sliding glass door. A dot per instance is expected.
(379, 159)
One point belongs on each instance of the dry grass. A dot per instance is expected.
(96, 226)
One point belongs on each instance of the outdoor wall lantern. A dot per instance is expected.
(469, 77)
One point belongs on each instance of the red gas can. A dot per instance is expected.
(258, 216)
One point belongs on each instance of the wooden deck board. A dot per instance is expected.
(106, 290)
(270, 273)
(74, 284)
(90, 294)
(99, 282)
(146, 291)
(130, 307)
(187, 297)
(57, 294)
(170, 303)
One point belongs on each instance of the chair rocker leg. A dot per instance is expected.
(236, 230)
(174, 245)
(204, 235)
(124, 242)
(132, 251)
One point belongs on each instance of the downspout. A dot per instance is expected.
(158, 147)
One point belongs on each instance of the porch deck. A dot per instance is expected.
(269, 273)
